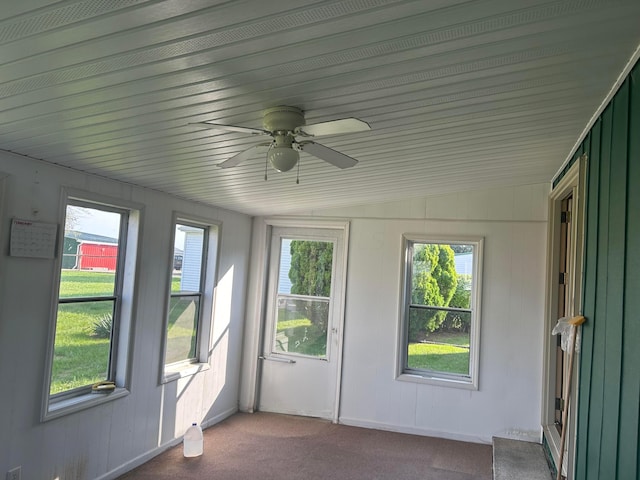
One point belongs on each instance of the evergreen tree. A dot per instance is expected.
(310, 274)
(310, 271)
(434, 284)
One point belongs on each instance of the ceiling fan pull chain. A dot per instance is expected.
(266, 166)
(298, 173)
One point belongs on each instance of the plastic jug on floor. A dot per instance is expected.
(192, 441)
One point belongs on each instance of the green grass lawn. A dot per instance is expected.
(79, 357)
(442, 352)
(76, 283)
(181, 335)
(299, 335)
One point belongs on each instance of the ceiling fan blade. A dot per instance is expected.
(242, 156)
(333, 127)
(327, 154)
(232, 128)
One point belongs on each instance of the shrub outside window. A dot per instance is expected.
(89, 339)
(440, 310)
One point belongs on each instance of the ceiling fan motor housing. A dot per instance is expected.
(282, 119)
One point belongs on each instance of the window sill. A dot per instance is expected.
(465, 384)
(181, 370)
(81, 402)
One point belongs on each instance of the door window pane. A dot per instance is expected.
(309, 271)
(302, 326)
(304, 289)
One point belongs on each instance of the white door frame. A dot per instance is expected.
(572, 183)
(256, 303)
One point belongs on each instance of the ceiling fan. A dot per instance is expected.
(284, 124)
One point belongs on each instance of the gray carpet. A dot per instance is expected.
(279, 447)
(516, 460)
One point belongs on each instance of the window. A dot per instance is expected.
(191, 294)
(441, 311)
(90, 336)
(303, 298)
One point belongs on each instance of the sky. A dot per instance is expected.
(99, 223)
(106, 223)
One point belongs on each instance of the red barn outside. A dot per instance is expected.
(97, 256)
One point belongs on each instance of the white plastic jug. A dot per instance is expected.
(192, 441)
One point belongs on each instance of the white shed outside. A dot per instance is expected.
(284, 283)
(192, 258)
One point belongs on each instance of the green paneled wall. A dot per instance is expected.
(609, 396)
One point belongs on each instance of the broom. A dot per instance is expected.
(575, 322)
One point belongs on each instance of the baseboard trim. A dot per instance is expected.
(145, 457)
(425, 432)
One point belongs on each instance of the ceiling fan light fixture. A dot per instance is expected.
(283, 158)
(283, 124)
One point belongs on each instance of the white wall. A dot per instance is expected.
(108, 439)
(513, 223)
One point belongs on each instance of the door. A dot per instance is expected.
(564, 299)
(301, 352)
(565, 307)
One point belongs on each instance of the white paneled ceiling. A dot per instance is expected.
(460, 95)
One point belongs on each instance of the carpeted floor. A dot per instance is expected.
(269, 446)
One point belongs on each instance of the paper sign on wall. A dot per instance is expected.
(33, 239)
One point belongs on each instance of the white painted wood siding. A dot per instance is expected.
(103, 441)
(507, 403)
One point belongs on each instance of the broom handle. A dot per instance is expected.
(575, 322)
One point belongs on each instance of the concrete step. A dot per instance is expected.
(518, 460)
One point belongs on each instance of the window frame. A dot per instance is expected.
(79, 398)
(319, 235)
(208, 280)
(435, 377)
